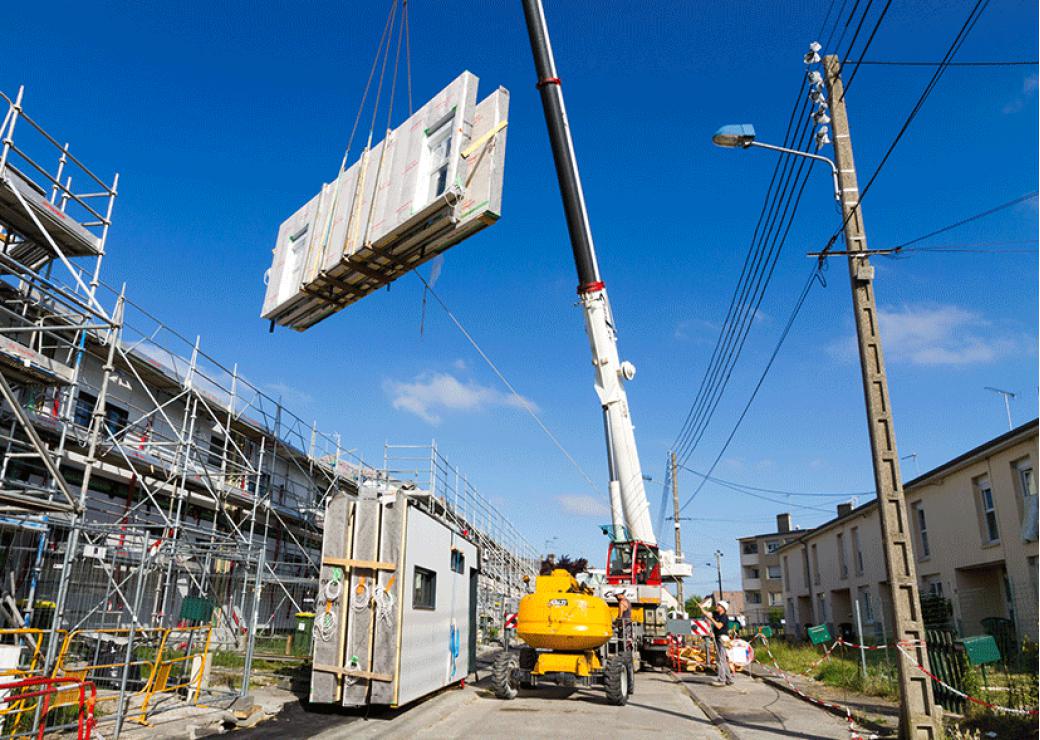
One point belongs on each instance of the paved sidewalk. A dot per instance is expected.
(755, 710)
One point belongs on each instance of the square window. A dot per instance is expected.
(424, 589)
(85, 404)
(773, 546)
(458, 561)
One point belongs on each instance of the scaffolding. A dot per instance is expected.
(506, 556)
(155, 504)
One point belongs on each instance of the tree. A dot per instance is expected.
(693, 607)
(574, 567)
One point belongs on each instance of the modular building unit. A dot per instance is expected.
(396, 602)
(433, 181)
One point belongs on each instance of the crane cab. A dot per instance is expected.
(633, 562)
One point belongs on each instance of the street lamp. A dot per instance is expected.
(742, 135)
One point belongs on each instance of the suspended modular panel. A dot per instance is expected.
(432, 182)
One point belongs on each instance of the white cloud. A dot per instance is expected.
(696, 330)
(431, 394)
(289, 395)
(580, 505)
(1029, 88)
(935, 334)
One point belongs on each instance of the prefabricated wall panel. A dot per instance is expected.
(406, 652)
(426, 659)
(433, 181)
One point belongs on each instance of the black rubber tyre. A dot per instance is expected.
(528, 661)
(616, 680)
(504, 680)
(528, 658)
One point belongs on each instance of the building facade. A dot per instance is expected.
(974, 527)
(760, 570)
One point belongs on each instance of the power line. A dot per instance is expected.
(775, 490)
(866, 47)
(968, 220)
(774, 223)
(962, 34)
(896, 63)
(776, 350)
(523, 401)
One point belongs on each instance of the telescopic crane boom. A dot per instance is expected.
(629, 507)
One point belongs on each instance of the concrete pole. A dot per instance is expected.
(718, 571)
(679, 591)
(919, 715)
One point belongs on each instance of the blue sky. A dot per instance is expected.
(223, 118)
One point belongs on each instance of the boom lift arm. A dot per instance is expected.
(629, 506)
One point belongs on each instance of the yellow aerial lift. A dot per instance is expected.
(571, 634)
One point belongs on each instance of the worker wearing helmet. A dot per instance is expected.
(720, 626)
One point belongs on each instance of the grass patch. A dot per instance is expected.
(842, 669)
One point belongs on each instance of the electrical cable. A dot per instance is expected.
(505, 381)
(695, 440)
(989, 212)
(776, 350)
(866, 47)
(778, 491)
(976, 12)
(896, 63)
(762, 253)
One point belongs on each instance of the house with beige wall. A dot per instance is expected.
(760, 576)
(974, 526)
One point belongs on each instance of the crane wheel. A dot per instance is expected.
(617, 680)
(503, 676)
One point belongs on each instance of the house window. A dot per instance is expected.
(868, 607)
(805, 566)
(215, 454)
(857, 553)
(750, 548)
(754, 597)
(439, 149)
(116, 419)
(424, 589)
(843, 566)
(922, 530)
(85, 404)
(750, 573)
(822, 602)
(934, 586)
(1026, 480)
(774, 599)
(773, 572)
(989, 511)
(787, 572)
(458, 561)
(815, 566)
(772, 546)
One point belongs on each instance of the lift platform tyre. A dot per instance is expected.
(504, 680)
(617, 680)
(528, 659)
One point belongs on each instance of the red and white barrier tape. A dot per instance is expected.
(854, 732)
(958, 692)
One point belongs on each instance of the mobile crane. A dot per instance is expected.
(569, 636)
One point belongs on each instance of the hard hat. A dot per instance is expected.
(724, 604)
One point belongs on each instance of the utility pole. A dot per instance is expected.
(679, 590)
(1008, 395)
(918, 713)
(718, 571)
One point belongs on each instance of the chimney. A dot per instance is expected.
(783, 522)
(844, 509)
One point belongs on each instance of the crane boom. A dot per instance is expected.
(629, 506)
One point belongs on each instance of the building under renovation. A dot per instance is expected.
(156, 506)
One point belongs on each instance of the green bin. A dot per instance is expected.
(302, 637)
